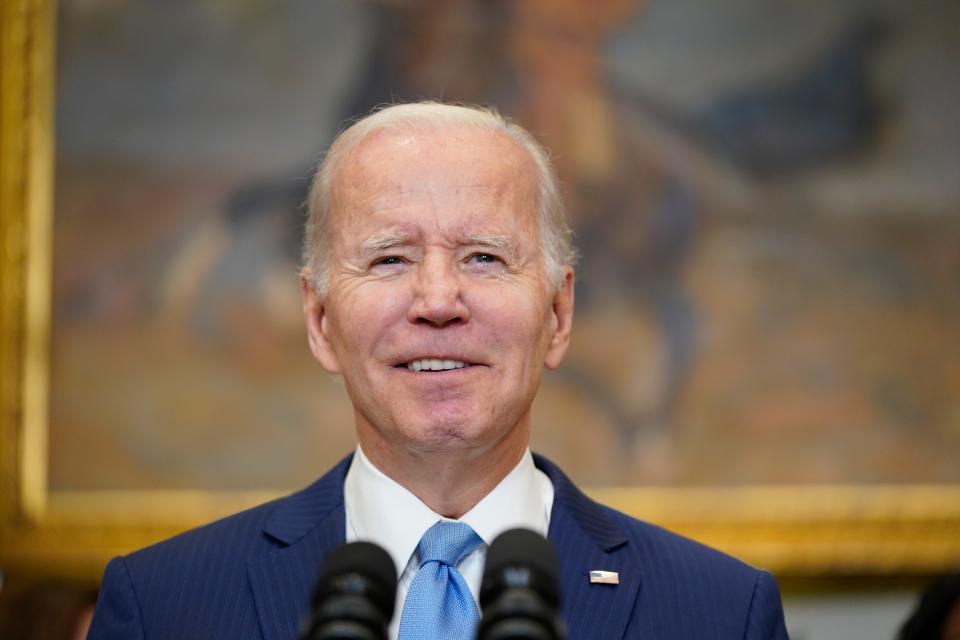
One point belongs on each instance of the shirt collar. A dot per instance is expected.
(382, 511)
(522, 499)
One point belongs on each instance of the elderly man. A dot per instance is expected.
(438, 283)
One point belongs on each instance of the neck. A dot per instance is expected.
(450, 481)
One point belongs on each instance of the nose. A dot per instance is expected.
(437, 294)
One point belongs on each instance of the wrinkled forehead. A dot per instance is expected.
(392, 168)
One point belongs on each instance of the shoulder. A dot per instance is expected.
(229, 539)
(686, 589)
(658, 550)
(250, 532)
(184, 586)
(664, 553)
(689, 587)
(181, 585)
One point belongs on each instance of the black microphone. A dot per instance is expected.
(519, 594)
(355, 595)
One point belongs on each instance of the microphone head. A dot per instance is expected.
(521, 559)
(361, 569)
(354, 596)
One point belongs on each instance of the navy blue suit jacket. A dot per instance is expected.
(251, 575)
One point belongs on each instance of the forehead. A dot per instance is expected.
(463, 176)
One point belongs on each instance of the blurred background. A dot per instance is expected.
(765, 195)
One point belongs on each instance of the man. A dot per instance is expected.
(438, 283)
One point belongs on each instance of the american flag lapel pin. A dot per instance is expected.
(604, 577)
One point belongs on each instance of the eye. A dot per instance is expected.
(484, 258)
(388, 260)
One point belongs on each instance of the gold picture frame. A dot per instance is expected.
(796, 531)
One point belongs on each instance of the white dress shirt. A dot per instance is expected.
(381, 511)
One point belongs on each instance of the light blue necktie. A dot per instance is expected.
(439, 603)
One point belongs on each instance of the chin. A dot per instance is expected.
(447, 433)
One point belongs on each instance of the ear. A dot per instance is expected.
(315, 315)
(561, 320)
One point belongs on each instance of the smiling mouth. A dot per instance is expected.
(434, 364)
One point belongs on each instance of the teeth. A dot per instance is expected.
(435, 364)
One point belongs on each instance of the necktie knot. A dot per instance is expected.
(439, 603)
(447, 542)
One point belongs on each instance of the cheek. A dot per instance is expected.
(519, 326)
(365, 319)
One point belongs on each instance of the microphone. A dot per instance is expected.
(519, 594)
(355, 595)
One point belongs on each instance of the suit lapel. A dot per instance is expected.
(305, 526)
(587, 538)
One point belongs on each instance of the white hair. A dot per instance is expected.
(556, 238)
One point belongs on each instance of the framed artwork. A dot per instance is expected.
(765, 352)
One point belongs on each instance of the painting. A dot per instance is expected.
(765, 204)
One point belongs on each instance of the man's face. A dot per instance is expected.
(435, 263)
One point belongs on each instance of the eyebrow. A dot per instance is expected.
(503, 243)
(379, 243)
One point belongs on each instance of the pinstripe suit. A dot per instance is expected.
(251, 575)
